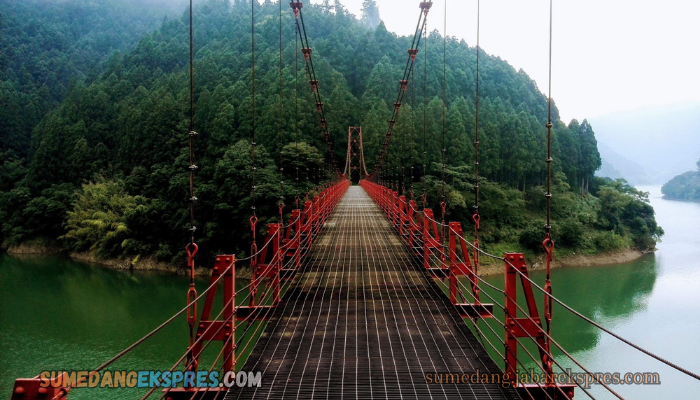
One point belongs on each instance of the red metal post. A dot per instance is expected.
(426, 238)
(296, 214)
(229, 312)
(528, 327)
(209, 329)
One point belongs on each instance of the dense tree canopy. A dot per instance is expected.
(106, 170)
(48, 45)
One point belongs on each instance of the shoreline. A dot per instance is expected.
(572, 261)
(149, 264)
(135, 264)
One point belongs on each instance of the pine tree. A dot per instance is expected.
(370, 14)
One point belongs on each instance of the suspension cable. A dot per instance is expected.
(548, 243)
(425, 117)
(296, 113)
(192, 132)
(476, 217)
(281, 108)
(548, 195)
(412, 133)
(443, 198)
(252, 73)
(191, 249)
(281, 119)
(412, 52)
(311, 71)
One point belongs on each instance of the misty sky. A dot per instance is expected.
(609, 55)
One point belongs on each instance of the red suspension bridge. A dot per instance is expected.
(360, 293)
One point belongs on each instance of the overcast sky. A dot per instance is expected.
(609, 55)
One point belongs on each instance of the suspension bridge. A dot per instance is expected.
(360, 293)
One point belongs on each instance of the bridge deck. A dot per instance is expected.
(362, 321)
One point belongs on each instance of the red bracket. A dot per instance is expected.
(314, 85)
(39, 388)
(296, 6)
(306, 51)
(529, 326)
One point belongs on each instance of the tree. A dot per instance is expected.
(590, 160)
(370, 13)
(326, 6)
(98, 220)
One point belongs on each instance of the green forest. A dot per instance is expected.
(96, 114)
(685, 186)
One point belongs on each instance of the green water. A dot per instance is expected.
(58, 314)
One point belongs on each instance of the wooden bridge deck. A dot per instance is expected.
(362, 321)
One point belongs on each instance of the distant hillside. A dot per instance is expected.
(685, 186)
(617, 166)
(608, 171)
(664, 141)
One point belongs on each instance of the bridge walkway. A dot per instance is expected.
(362, 321)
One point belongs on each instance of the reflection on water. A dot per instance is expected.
(57, 314)
(600, 292)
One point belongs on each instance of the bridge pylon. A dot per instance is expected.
(355, 158)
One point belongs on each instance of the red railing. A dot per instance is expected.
(445, 253)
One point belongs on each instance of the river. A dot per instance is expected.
(58, 314)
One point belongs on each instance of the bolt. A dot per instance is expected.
(19, 390)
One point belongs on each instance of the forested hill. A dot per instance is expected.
(685, 186)
(107, 170)
(49, 44)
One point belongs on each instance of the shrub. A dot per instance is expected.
(571, 234)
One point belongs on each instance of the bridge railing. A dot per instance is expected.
(278, 259)
(445, 254)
